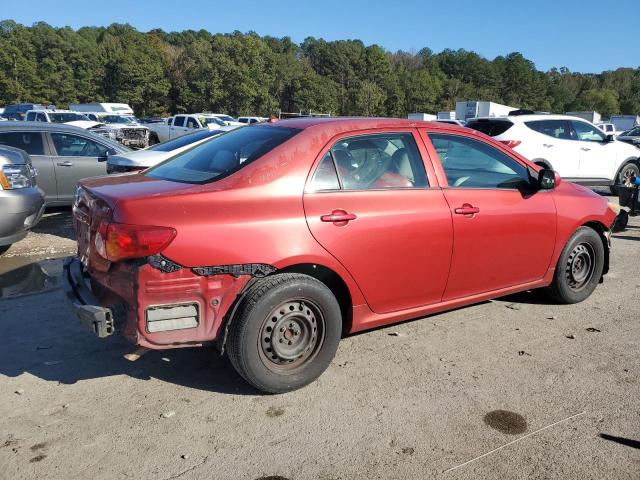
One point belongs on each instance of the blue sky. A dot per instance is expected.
(583, 35)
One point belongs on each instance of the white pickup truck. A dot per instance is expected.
(182, 124)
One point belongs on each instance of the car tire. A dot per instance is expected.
(579, 267)
(621, 221)
(627, 170)
(4, 248)
(153, 139)
(286, 332)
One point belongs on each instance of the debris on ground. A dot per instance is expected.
(184, 456)
(408, 450)
(551, 317)
(168, 414)
(570, 337)
(513, 306)
(394, 334)
(20, 391)
(591, 329)
(522, 352)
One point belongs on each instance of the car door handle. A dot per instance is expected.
(65, 164)
(467, 209)
(548, 145)
(338, 216)
(585, 149)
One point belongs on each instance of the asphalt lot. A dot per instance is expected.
(513, 388)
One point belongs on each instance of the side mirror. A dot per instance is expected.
(608, 138)
(546, 179)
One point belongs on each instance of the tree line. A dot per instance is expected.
(160, 73)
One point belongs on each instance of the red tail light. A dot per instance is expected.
(510, 143)
(117, 241)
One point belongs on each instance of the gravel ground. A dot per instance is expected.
(513, 388)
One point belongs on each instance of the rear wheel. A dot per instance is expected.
(627, 171)
(286, 333)
(579, 267)
(4, 248)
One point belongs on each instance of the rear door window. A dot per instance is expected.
(178, 121)
(493, 128)
(222, 155)
(552, 128)
(30, 142)
(191, 123)
(75, 146)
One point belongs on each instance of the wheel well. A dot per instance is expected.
(334, 282)
(635, 161)
(601, 229)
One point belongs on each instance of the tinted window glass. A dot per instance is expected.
(191, 123)
(492, 128)
(325, 176)
(222, 155)
(178, 122)
(389, 160)
(471, 163)
(553, 128)
(183, 140)
(31, 116)
(587, 132)
(74, 146)
(30, 142)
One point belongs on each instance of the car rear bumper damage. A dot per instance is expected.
(157, 304)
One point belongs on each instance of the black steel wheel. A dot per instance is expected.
(579, 267)
(286, 332)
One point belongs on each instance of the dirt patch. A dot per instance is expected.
(507, 422)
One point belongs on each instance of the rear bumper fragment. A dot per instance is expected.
(84, 303)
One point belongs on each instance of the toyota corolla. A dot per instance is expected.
(274, 240)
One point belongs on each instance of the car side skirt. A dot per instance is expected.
(365, 319)
(590, 182)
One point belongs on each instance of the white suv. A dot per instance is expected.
(578, 150)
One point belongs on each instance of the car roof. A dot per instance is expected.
(359, 123)
(41, 126)
(530, 117)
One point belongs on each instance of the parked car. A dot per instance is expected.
(62, 155)
(607, 128)
(19, 110)
(124, 129)
(149, 157)
(21, 202)
(60, 116)
(631, 136)
(272, 240)
(578, 150)
(227, 119)
(250, 120)
(182, 124)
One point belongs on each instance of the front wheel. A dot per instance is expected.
(286, 333)
(627, 171)
(4, 248)
(579, 267)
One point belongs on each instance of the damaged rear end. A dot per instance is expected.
(121, 283)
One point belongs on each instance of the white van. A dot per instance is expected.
(118, 108)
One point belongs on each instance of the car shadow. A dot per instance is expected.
(532, 297)
(621, 440)
(42, 337)
(626, 237)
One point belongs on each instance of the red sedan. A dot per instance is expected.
(274, 240)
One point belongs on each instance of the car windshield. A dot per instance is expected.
(208, 120)
(223, 155)
(63, 117)
(226, 118)
(184, 140)
(115, 119)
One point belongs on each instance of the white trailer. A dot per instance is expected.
(473, 109)
(593, 117)
(117, 108)
(423, 117)
(448, 115)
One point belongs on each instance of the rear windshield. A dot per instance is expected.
(223, 155)
(493, 128)
(184, 140)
